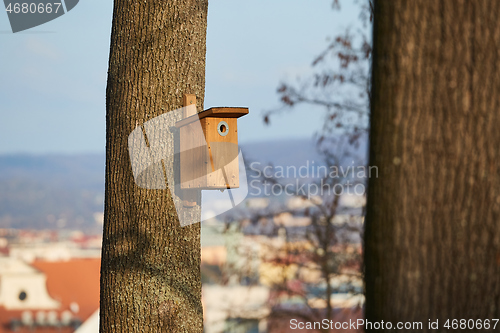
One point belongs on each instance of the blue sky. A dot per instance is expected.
(53, 77)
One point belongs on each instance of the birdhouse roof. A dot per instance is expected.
(219, 112)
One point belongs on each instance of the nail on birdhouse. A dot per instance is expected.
(209, 147)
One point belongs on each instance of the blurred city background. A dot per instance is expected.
(291, 250)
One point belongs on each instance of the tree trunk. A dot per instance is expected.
(150, 273)
(432, 237)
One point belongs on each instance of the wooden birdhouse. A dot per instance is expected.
(209, 147)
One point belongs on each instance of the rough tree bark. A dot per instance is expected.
(150, 273)
(432, 239)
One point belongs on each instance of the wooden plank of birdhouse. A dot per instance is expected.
(223, 152)
(194, 157)
(189, 99)
(187, 144)
(191, 137)
(226, 112)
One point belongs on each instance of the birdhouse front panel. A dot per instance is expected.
(221, 135)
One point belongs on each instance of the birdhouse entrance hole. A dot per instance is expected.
(223, 128)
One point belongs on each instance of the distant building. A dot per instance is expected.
(257, 203)
(235, 309)
(47, 296)
(22, 287)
